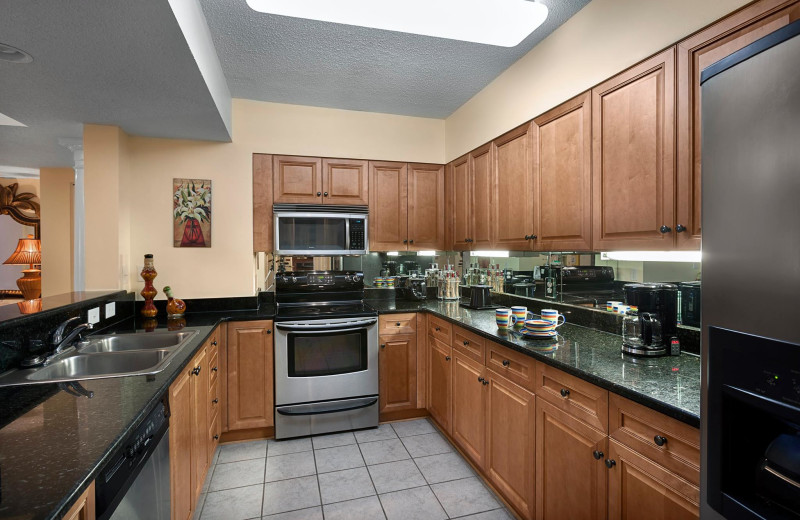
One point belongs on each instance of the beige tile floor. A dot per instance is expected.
(399, 471)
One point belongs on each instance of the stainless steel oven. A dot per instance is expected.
(311, 229)
(326, 375)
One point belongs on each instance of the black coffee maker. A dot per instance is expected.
(654, 330)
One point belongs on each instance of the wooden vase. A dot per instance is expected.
(149, 292)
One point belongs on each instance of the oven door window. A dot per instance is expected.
(330, 354)
(312, 233)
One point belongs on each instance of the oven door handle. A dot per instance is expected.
(346, 326)
(323, 408)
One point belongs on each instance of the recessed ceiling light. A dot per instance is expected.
(493, 22)
(14, 55)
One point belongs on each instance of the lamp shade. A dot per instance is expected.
(28, 252)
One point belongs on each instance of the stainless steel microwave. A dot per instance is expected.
(320, 230)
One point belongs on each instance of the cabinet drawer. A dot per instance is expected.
(515, 366)
(440, 329)
(582, 400)
(641, 429)
(468, 343)
(398, 324)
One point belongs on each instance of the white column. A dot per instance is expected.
(79, 216)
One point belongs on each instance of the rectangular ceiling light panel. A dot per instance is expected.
(504, 23)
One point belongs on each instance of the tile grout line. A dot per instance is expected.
(319, 486)
(377, 495)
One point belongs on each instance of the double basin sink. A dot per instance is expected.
(100, 357)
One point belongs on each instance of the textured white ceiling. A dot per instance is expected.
(289, 60)
(117, 62)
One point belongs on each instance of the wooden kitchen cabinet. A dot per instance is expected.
(263, 224)
(563, 177)
(571, 476)
(297, 180)
(694, 54)
(459, 190)
(426, 207)
(514, 159)
(398, 373)
(84, 507)
(510, 422)
(469, 407)
(640, 488)
(440, 377)
(200, 438)
(388, 209)
(482, 189)
(345, 181)
(633, 139)
(250, 369)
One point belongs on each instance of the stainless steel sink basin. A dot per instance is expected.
(125, 342)
(87, 366)
(100, 357)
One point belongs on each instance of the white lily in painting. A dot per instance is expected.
(192, 201)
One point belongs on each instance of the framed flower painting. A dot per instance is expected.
(191, 215)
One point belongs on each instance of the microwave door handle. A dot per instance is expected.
(347, 234)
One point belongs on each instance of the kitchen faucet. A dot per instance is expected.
(61, 342)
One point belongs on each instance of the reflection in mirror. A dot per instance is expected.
(19, 217)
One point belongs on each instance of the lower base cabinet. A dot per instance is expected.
(469, 407)
(83, 508)
(440, 377)
(571, 475)
(250, 368)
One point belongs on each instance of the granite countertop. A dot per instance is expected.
(52, 445)
(670, 384)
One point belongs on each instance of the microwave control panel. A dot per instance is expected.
(357, 234)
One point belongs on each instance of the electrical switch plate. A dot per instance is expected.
(111, 309)
(94, 315)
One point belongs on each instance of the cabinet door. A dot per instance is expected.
(180, 446)
(200, 440)
(482, 189)
(425, 207)
(633, 119)
(263, 226)
(250, 396)
(563, 209)
(510, 439)
(469, 407)
(84, 507)
(570, 463)
(640, 488)
(345, 181)
(460, 189)
(514, 194)
(694, 54)
(297, 180)
(440, 376)
(388, 206)
(398, 372)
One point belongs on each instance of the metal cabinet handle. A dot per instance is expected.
(597, 454)
(405, 241)
(411, 241)
(269, 331)
(397, 324)
(564, 392)
(319, 194)
(214, 343)
(527, 237)
(196, 371)
(383, 345)
(665, 229)
(610, 463)
(216, 437)
(466, 342)
(214, 369)
(506, 362)
(485, 382)
(326, 193)
(680, 228)
(215, 401)
(660, 440)
(438, 329)
(447, 358)
(481, 379)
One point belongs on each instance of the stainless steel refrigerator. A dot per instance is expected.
(750, 411)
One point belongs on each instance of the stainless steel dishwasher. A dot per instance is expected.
(134, 484)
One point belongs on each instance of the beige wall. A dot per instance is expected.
(56, 197)
(227, 268)
(604, 38)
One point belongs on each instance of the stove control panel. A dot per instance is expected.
(319, 281)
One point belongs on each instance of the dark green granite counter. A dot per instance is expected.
(670, 385)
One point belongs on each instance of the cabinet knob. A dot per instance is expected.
(438, 329)
(196, 371)
(610, 463)
(405, 241)
(466, 240)
(269, 331)
(216, 437)
(411, 241)
(564, 392)
(485, 382)
(534, 237)
(383, 345)
(660, 440)
(680, 228)
(319, 194)
(665, 229)
(326, 193)
(466, 343)
(481, 379)
(214, 343)
(506, 362)
(447, 358)
(527, 237)
(597, 454)
(214, 369)
(215, 401)
(397, 324)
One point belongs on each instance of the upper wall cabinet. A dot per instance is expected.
(388, 211)
(481, 197)
(262, 203)
(563, 176)
(311, 180)
(514, 191)
(459, 203)
(694, 54)
(426, 207)
(633, 141)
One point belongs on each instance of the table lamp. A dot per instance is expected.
(28, 252)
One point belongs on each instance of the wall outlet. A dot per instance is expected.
(111, 309)
(94, 315)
